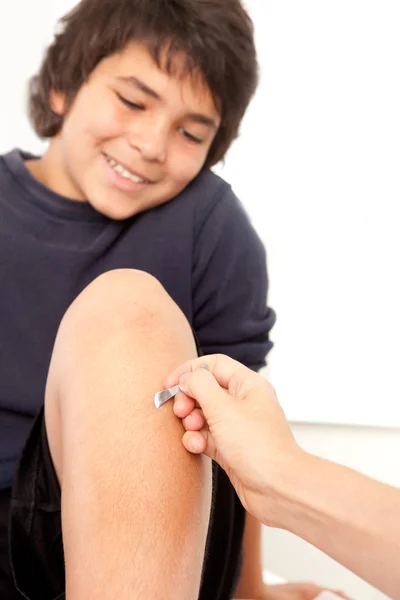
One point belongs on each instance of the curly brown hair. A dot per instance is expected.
(215, 36)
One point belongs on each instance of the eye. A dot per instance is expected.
(129, 104)
(190, 137)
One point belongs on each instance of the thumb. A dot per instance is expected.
(202, 386)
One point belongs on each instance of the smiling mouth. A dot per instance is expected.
(124, 172)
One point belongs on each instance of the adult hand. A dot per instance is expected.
(232, 415)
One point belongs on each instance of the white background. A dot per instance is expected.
(317, 167)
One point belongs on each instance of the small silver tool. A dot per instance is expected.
(162, 397)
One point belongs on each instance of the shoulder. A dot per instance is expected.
(209, 183)
(214, 202)
(11, 164)
(206, 191)
(205, 200)
(11, 158)
(6, 174)
(4, 159)
(218, 209)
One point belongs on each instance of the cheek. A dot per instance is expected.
(187, 166)
(96, 118)
(107, 123)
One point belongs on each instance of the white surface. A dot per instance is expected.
(272, 578)
(317, 167)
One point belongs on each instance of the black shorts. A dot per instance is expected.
(32, 561)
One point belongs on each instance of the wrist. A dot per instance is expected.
(286, 481)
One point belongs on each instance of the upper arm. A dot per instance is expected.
(135, 503)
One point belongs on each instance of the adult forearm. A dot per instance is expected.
(349, 516)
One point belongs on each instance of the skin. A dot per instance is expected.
(233, 416)
(161, 127)
(123, 474)
(150, 128)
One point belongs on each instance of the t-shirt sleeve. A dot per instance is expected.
(230, 285)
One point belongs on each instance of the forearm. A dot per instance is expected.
(350, 517)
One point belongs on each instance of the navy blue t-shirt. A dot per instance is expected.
(200, 246)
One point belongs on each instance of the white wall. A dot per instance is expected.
(25, 29)
(317, 166)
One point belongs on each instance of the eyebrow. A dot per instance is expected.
(196, 117)
(140, 85)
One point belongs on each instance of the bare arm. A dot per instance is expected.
(354, 519)
(349, 516)
(135, 505)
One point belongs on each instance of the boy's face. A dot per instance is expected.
(134, 136)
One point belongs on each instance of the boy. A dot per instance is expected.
(121, 233)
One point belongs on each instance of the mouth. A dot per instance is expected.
(125, 172)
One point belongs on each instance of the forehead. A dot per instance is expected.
(169, 83)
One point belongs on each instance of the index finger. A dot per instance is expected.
(226, 371)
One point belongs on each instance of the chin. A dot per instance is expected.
(111, 212)
(117, 215)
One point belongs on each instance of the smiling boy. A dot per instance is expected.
(127, 108)
(121, 233)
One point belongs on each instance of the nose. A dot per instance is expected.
(150, 138)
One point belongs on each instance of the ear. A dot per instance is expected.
(57, 103)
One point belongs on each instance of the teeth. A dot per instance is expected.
(123, 172)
